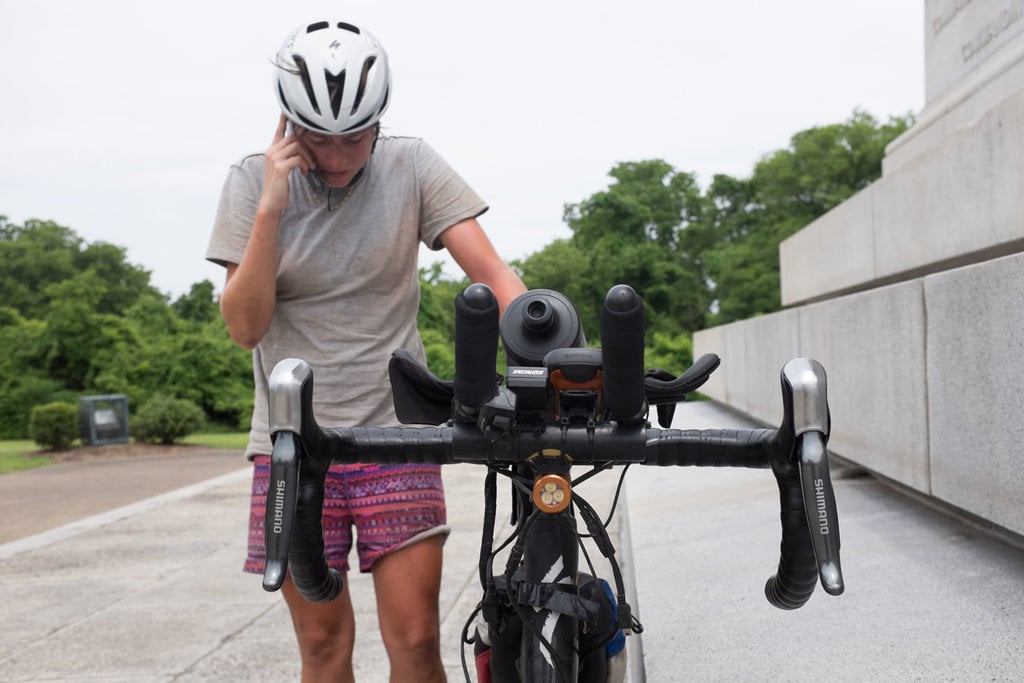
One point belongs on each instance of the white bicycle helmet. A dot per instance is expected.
(332, 77)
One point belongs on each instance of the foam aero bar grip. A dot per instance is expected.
(476, 345)
(622, 349)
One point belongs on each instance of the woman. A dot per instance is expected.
(320, 237)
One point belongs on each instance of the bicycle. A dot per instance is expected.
(562, 405)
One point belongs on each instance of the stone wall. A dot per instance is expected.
(912, 292)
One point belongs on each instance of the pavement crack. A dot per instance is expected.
(225, 640)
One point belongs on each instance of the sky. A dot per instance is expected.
(119, 119)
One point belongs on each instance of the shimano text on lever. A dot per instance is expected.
(805, 390)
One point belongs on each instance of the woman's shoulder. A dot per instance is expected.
(252, 162)
(401, 144)
(246, 174)
(407, 151)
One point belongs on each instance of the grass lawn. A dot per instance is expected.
(237, 440)
(13, 458)
(13, 454)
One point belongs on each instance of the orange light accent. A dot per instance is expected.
(560, 383)
(552, 493)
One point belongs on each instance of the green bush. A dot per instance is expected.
(673, 353)
(54, 425)
(165, 420)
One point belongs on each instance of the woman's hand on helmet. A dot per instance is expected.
(284, 154)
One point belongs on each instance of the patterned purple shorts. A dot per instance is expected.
(390, 506)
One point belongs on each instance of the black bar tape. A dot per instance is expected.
(748, 448)
(306, 559)
(797, 576)
(387, 445)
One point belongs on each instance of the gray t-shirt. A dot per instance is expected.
(347, 278)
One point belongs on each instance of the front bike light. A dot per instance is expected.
(552, 493)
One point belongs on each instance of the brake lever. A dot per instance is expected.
(806, 400)
(820, 507)
(290, 379)
(281, 500)
(295, 497)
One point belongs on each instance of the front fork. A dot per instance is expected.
(550, 641)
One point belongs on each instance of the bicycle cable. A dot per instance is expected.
(615, 498)
(600, 536)
(466, 640)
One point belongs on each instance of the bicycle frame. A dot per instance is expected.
(551, 556)
(576, 406)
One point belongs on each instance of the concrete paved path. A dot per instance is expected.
(928, 598)
(153, 591)
(38, 499)
(147, 586)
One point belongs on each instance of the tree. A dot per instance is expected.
(205, 368)
(34, 257)
(77, 319)
(73, 328)
(43, 253)
(789, 188)
(644, 231)
(436, 318)
(563, 267)
(198, 305)
(24, 383)
(123, 282)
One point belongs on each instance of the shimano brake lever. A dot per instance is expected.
(820, 507)
(807, 403)
(281, 500)
(296, 496)
(290, 379)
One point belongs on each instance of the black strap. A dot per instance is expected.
(558, 597)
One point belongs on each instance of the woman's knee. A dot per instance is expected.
(325, 632)
(418, 639)
(322, 639)
(415, 654)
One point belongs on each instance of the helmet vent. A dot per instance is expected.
(307, 83)
(318, 26)
(360, 124)
(367, 65)
(283, 98)
(335, 88)
(348, 27)
(312, 125)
